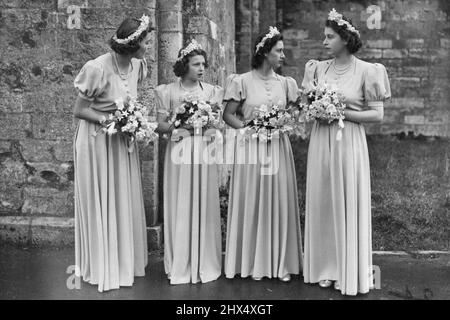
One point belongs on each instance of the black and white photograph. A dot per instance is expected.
(225, 155)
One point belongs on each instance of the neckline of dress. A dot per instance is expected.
(116, 67)
(350, 71)
(272, 75)
(199, 87)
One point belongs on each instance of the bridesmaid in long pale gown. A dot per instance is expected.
(263, 232)
(192, 236)
(338, 242)
(110, 229)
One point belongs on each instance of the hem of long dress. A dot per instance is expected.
(202, 280)
(342, 292)
(231, 276)
(95, 283)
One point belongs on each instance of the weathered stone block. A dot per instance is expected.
(445, 43)
(11, 199)
(51, 174)
(414, 119)
(370, 53)
(37, 150)
(53, 126)
(379, 44)
(15, 126)
(52, 231)
(5, 147)
(15, 229)
(47, 201)
(13, 171)
(394, 53)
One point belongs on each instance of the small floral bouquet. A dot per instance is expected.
(324, 103)
(198, 114)
(270, 122)
(131, 118)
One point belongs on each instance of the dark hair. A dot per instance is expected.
(181, 67)
(258, 57)
(353, 41)
(126, 28)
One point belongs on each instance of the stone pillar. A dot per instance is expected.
(170, 40)
(252, 18)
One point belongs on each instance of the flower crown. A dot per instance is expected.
(273, 31)
(145, 20)
(193, 45)
(337, 17)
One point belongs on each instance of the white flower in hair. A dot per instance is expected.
(145, 21)
(338, 18)
(193, 45)
(273, 31)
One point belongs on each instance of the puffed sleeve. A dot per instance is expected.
(216, 95)
(162, 94)
(234, 89)
(142, 70)
(90, 81)
(310, 74)
(376, 85)
(292, 89)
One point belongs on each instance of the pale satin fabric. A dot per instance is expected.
(192, 233)
(338, 231)
(110, 228)
(263, 231)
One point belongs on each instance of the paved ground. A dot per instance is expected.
(41, 274)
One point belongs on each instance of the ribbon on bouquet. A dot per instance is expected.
(339, 133)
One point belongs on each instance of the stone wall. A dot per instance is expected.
(411, 38)
(45, 43)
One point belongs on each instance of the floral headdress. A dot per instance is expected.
(273, 31)
(145, 20)
(337, 17)
(193, 45)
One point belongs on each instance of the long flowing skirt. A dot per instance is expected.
(192, 234)
(110, 229)
(263, 231)
(338, 209)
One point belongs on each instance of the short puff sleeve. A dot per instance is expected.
(234, 88)
(377, 88)
(216, 95)
(90, 81)
(142, 70)
(162, 95)
(310, 74)
(292, 89)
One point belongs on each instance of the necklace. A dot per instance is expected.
(126, 75)
(344, 70)
(187, 89)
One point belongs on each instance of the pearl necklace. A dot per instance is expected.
(187, 89)
(122, 76)
(344, 70)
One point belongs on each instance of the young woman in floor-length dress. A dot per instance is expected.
(192, 236)
(110, 230)
(263, 231)
(338, 243)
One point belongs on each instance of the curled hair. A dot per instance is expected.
(353, 40)
(181, 67)
(258, 57)
(127, 27)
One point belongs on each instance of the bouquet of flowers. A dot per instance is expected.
(131, 118)
(270, 122)
(198, 114)
(323, 102)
